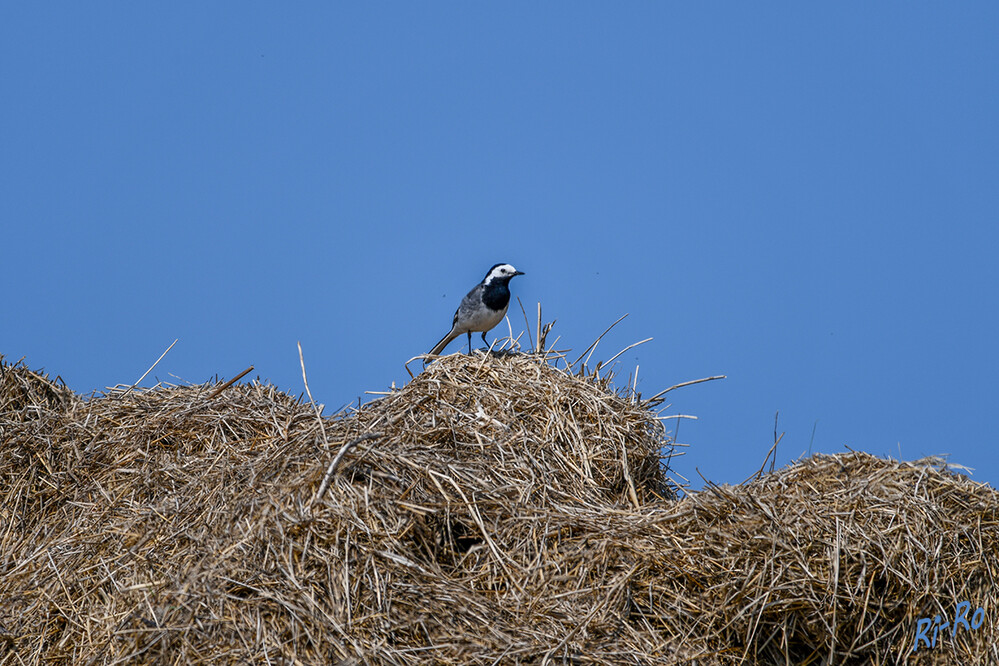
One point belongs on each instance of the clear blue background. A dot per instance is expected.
(801, 197)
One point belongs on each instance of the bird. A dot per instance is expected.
(482, 308)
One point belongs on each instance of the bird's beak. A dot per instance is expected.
(519, 273)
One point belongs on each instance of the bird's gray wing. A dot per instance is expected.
(470, 305)
(466, 310)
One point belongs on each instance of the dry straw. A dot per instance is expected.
(496, 510)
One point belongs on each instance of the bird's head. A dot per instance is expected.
(500, 273)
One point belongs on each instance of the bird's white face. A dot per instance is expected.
(501, 271)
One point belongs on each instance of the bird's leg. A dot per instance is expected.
(469, 343)
(484, 340)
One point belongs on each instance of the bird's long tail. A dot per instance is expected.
(439, 347)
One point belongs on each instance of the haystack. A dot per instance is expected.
(494, 510)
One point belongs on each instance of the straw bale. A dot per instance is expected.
(833, 560)
(26, 394)
(494, 510)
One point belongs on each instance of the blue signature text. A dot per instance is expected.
(939, 623)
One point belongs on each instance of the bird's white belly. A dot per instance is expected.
(483, 320)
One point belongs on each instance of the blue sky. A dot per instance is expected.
(801, 197)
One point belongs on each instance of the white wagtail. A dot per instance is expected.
(482, 308)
